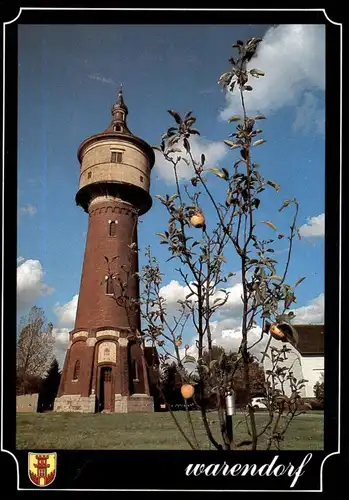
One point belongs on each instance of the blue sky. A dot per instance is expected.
(68, 80)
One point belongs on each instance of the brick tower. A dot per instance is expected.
(104, 368)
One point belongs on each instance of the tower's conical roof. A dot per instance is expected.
(119, 113)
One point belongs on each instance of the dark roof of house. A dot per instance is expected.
(310, 339)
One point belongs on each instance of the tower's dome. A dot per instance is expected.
(116, 162)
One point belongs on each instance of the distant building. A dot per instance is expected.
(307, 358)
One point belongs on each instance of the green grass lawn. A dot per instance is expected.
(145, 431)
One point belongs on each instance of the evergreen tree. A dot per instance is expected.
(49, 387)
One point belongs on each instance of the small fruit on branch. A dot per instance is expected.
(283, 331)
(187, 391)
(198, 219)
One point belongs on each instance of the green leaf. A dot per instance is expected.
(161, 198)
(275, 185)
(218, 300)
(259, 117)
(225, 172)
(277, 278)
(203, 158)
(162, 235)
(284, 205)
(189, 359)
(175, 115)
(194, 131)
(219, 173)
(248, 87)
(225, 77)
(232, 144)
(257, 143)
(229, 199)
(255, 71)
(256, 202)
(299, 281)
(186, 144)
(221, 257)
(270, 224)
(235, 118)
(231, 274)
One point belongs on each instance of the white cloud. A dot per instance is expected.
(226, 334)
(101, 78)
(30, 284)
(213, 151)
(65, 323)
(226, 327)
(311, 313)
(61, 336)
(28, 210)
(174, 291)
(66, 313)
(315, 227)
(293, 59)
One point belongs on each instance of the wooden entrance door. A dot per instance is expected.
(106, 386)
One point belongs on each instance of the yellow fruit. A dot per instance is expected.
(178, 343)
(187, 391)
(198, 219)
(276, 332)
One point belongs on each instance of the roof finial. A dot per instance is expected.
(119, 112)
(120, 99)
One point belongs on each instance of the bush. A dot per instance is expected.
(316, 404)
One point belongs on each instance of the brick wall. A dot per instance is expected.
(95, 308)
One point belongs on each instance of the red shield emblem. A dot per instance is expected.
(42, 468)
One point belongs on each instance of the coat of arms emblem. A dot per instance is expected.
(42, 468)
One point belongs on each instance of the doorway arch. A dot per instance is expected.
(106, 389)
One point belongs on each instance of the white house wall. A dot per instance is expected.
(293, 359)
(313, 366)
(304, 367)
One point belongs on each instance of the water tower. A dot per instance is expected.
(104, 368)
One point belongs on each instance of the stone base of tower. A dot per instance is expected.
(137, 403)
(75, 402)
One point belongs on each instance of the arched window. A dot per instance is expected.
(76, 370)
(112, 228)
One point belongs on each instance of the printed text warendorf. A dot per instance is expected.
(270, 469)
